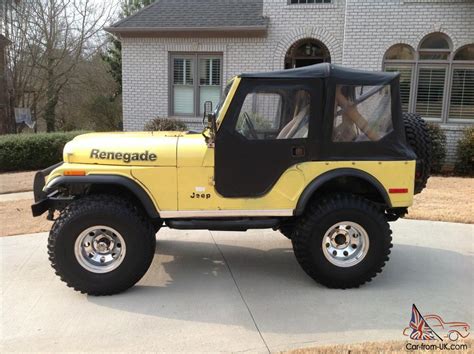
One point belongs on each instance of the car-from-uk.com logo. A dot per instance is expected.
(434, 333)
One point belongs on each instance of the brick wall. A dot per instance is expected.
(146, 65)
(357, 34)
(402, 21)
(405, 21)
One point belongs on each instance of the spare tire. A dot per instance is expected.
(418, 137)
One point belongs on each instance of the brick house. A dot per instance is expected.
(179, 53)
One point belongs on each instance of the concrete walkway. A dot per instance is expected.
(11, 197)
(226, 291)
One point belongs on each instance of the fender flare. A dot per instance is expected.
(121, 181)
(340, 172)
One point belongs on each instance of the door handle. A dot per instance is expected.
(298, 151)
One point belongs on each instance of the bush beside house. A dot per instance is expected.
(165, 124)
(25, 152)
(465, 154)
(438, 139)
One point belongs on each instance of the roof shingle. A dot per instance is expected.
(195, 14)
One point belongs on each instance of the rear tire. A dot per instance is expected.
(342, 241)
(419, 139)
(287, 230)
(101, 245)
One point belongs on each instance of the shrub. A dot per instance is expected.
(438, 138)
(165, 124)
(24, 152)
(465, 154)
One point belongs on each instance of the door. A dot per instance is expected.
(268, 128)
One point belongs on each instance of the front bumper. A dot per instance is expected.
(43, 201)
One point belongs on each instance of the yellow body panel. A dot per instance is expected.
(193, 151)
(120, 149)
(161, 185)
(189, 184)
(196, 189)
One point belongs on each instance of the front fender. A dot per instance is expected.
(47, 195)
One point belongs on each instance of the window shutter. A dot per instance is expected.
(461, 105)
(183, 90)
(405, 83)
(430, 93)
(210, 81)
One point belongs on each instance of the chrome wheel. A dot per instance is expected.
(345, 244)
(100, 249)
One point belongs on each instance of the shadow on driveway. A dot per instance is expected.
(190, 281)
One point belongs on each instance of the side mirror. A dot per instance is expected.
(210, 117)
(207, 108)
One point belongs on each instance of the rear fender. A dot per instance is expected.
(319, 182)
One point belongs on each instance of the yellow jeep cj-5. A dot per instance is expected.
(321, 153)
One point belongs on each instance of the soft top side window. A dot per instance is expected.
(362, 113)
(275, 114)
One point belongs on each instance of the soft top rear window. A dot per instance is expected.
(362, 113)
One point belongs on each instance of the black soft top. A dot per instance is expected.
(341, 74)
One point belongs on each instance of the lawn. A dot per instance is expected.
(444, 199)
(16, 182)
(16, 218)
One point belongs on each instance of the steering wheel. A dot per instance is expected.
(250, 125)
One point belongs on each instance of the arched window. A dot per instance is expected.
(434, 81)
(435, 46)
(466, 53)
(433, 54)
(461, 102)
(305, 52)
(401, 58)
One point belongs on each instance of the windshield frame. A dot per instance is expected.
(226, 99)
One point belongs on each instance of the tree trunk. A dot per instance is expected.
(7, 121)
(51, 102)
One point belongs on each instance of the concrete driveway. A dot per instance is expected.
(226, 291)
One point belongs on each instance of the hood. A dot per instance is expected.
(129, 149)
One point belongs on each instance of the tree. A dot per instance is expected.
(50, 38)
(113, 55)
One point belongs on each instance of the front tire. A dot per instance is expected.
(101, 245)
(342, 241)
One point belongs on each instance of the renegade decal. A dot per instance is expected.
(124, 156)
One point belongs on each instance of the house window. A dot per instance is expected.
(434, 81)
(293, 2)
(430, 93)
(195, 79)
(307, 51)
(401, 58)
(461, 103)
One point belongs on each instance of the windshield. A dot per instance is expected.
(222, 100)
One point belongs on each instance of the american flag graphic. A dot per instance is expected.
(420, 329)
